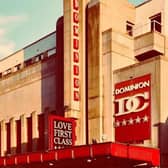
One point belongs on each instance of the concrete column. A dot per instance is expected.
(3, 138)
(21, 65)
(13, 135)
(23, 134)
(35, 131)
(95, 94)
(107, 85)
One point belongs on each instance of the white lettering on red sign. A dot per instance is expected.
(75, 65)
(62, 125)
(62, 133)
(132, 104)
(132, 87)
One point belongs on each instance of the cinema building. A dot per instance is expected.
(93, 93)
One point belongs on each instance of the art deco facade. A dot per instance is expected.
(103, 74)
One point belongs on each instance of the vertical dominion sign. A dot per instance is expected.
(61, 132)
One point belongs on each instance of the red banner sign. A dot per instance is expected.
(133, 110)
(61, 132)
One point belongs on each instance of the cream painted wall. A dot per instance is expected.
(28, 90)
(148, 9)
(12, 60)
(117, 12)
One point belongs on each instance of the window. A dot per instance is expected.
(156, 23)
(129, 28)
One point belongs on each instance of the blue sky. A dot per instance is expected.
(136, 2)
(24, 21)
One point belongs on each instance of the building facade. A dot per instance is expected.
(99, 78)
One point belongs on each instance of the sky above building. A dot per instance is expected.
(25, 21)
(136, 2)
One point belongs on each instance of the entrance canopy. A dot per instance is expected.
(96, 155)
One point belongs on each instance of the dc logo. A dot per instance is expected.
(135, 103)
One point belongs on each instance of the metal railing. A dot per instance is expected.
(153, 26)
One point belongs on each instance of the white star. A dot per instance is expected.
(117, 124)
(145, 118)
(124, 122)
(131, 121)
(138, 120)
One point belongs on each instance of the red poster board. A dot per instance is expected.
(61, 132)
(132, 118)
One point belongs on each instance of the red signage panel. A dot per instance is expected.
(76, 70)
(76, 83)
(132, 118)
(75, 17)
(76, 96)
(61, 132)
(76, 57)
(76, 4)
(76, 30)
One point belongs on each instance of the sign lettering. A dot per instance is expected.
(75, 30)
(76, 4)
(61, 132)
(132, 104)
(76, 57)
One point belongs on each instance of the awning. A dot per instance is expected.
(95, 154)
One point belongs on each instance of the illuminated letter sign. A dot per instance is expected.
(132, 118)
(61, 132)
(75, 53)
(76, 4)
(76, 57)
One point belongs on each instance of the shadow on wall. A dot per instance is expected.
(52, 89)
(163, 143)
